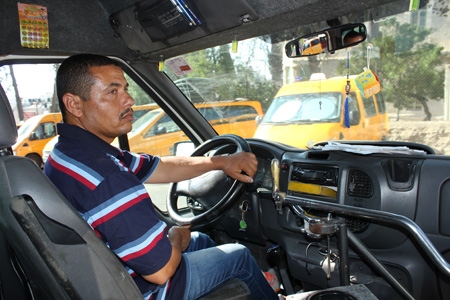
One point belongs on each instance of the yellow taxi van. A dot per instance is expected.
(138, 111)
(312, 46)
(156, 133)
(307, 112)
(34, 134)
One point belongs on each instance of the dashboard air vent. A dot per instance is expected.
(318, 155)
(356, 225)
(359, 184)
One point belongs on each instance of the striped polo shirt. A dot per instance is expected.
(105, 185)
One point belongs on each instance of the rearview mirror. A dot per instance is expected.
(329, 40)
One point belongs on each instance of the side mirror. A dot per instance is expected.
(33, 136)
(355, 117)
(258, 120)
(160, 130)
(183, 148)
(329, 40)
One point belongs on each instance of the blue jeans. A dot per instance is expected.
(208, 266)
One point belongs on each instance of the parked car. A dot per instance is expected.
(156, 133)
(350, 218)
(140, 110)
(34, 134)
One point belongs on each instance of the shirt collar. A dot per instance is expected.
(91, 141)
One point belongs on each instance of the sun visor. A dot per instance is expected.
(152, 25)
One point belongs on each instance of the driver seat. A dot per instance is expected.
(47, 251)
(53, 253)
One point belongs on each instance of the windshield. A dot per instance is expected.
(304, 107)
(398, 82)
(404, 55)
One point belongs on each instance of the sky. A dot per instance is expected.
(33, 80)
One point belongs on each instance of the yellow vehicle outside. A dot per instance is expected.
(34, 134)
(156, 133)
(312, 46)
(307, 112)
(140, 110)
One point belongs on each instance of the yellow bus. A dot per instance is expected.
(34, 134)
(307, 112)
(156, 133)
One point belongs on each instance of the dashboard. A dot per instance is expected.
(414, 186)
(383, 182)
(263, 176)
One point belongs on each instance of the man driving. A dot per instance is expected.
(106, 186)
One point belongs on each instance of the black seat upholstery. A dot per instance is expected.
(60, 255)
(47, 251)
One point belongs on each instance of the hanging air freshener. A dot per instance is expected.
(234, 45)
(161, 65)
(367, 82)
(347, 91)
(346, 113)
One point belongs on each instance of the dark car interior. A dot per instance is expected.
(334, 224)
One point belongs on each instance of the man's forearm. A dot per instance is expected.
(179, 237)
(175, 169)
(241, 166)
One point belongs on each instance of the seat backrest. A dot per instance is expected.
(60, 255)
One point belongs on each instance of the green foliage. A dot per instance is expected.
(230, 79)
(409, 68)
(139, 95)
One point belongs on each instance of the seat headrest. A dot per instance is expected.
(8, 132)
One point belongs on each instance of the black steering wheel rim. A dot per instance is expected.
(234, 192)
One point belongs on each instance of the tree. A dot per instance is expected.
(137, 93)
(55, 103)
(233, 79)
(214, 64)
(409, 68)
(16, 92)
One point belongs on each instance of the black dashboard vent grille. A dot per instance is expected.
(359, 184)
(356, 225)
(318, 155)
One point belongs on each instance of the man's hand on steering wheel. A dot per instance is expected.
(241, 166)
(216, 191)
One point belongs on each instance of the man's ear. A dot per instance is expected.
(73, 104)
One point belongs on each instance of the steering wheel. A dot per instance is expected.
(205, 192)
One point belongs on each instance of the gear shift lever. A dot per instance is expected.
(277, 195)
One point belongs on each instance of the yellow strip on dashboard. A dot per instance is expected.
(312, 189)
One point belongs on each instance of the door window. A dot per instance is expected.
(44, 131)
(369, 106)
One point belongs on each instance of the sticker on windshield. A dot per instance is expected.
(33, 26)
(179, 66)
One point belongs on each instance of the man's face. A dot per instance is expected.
(108, 113)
